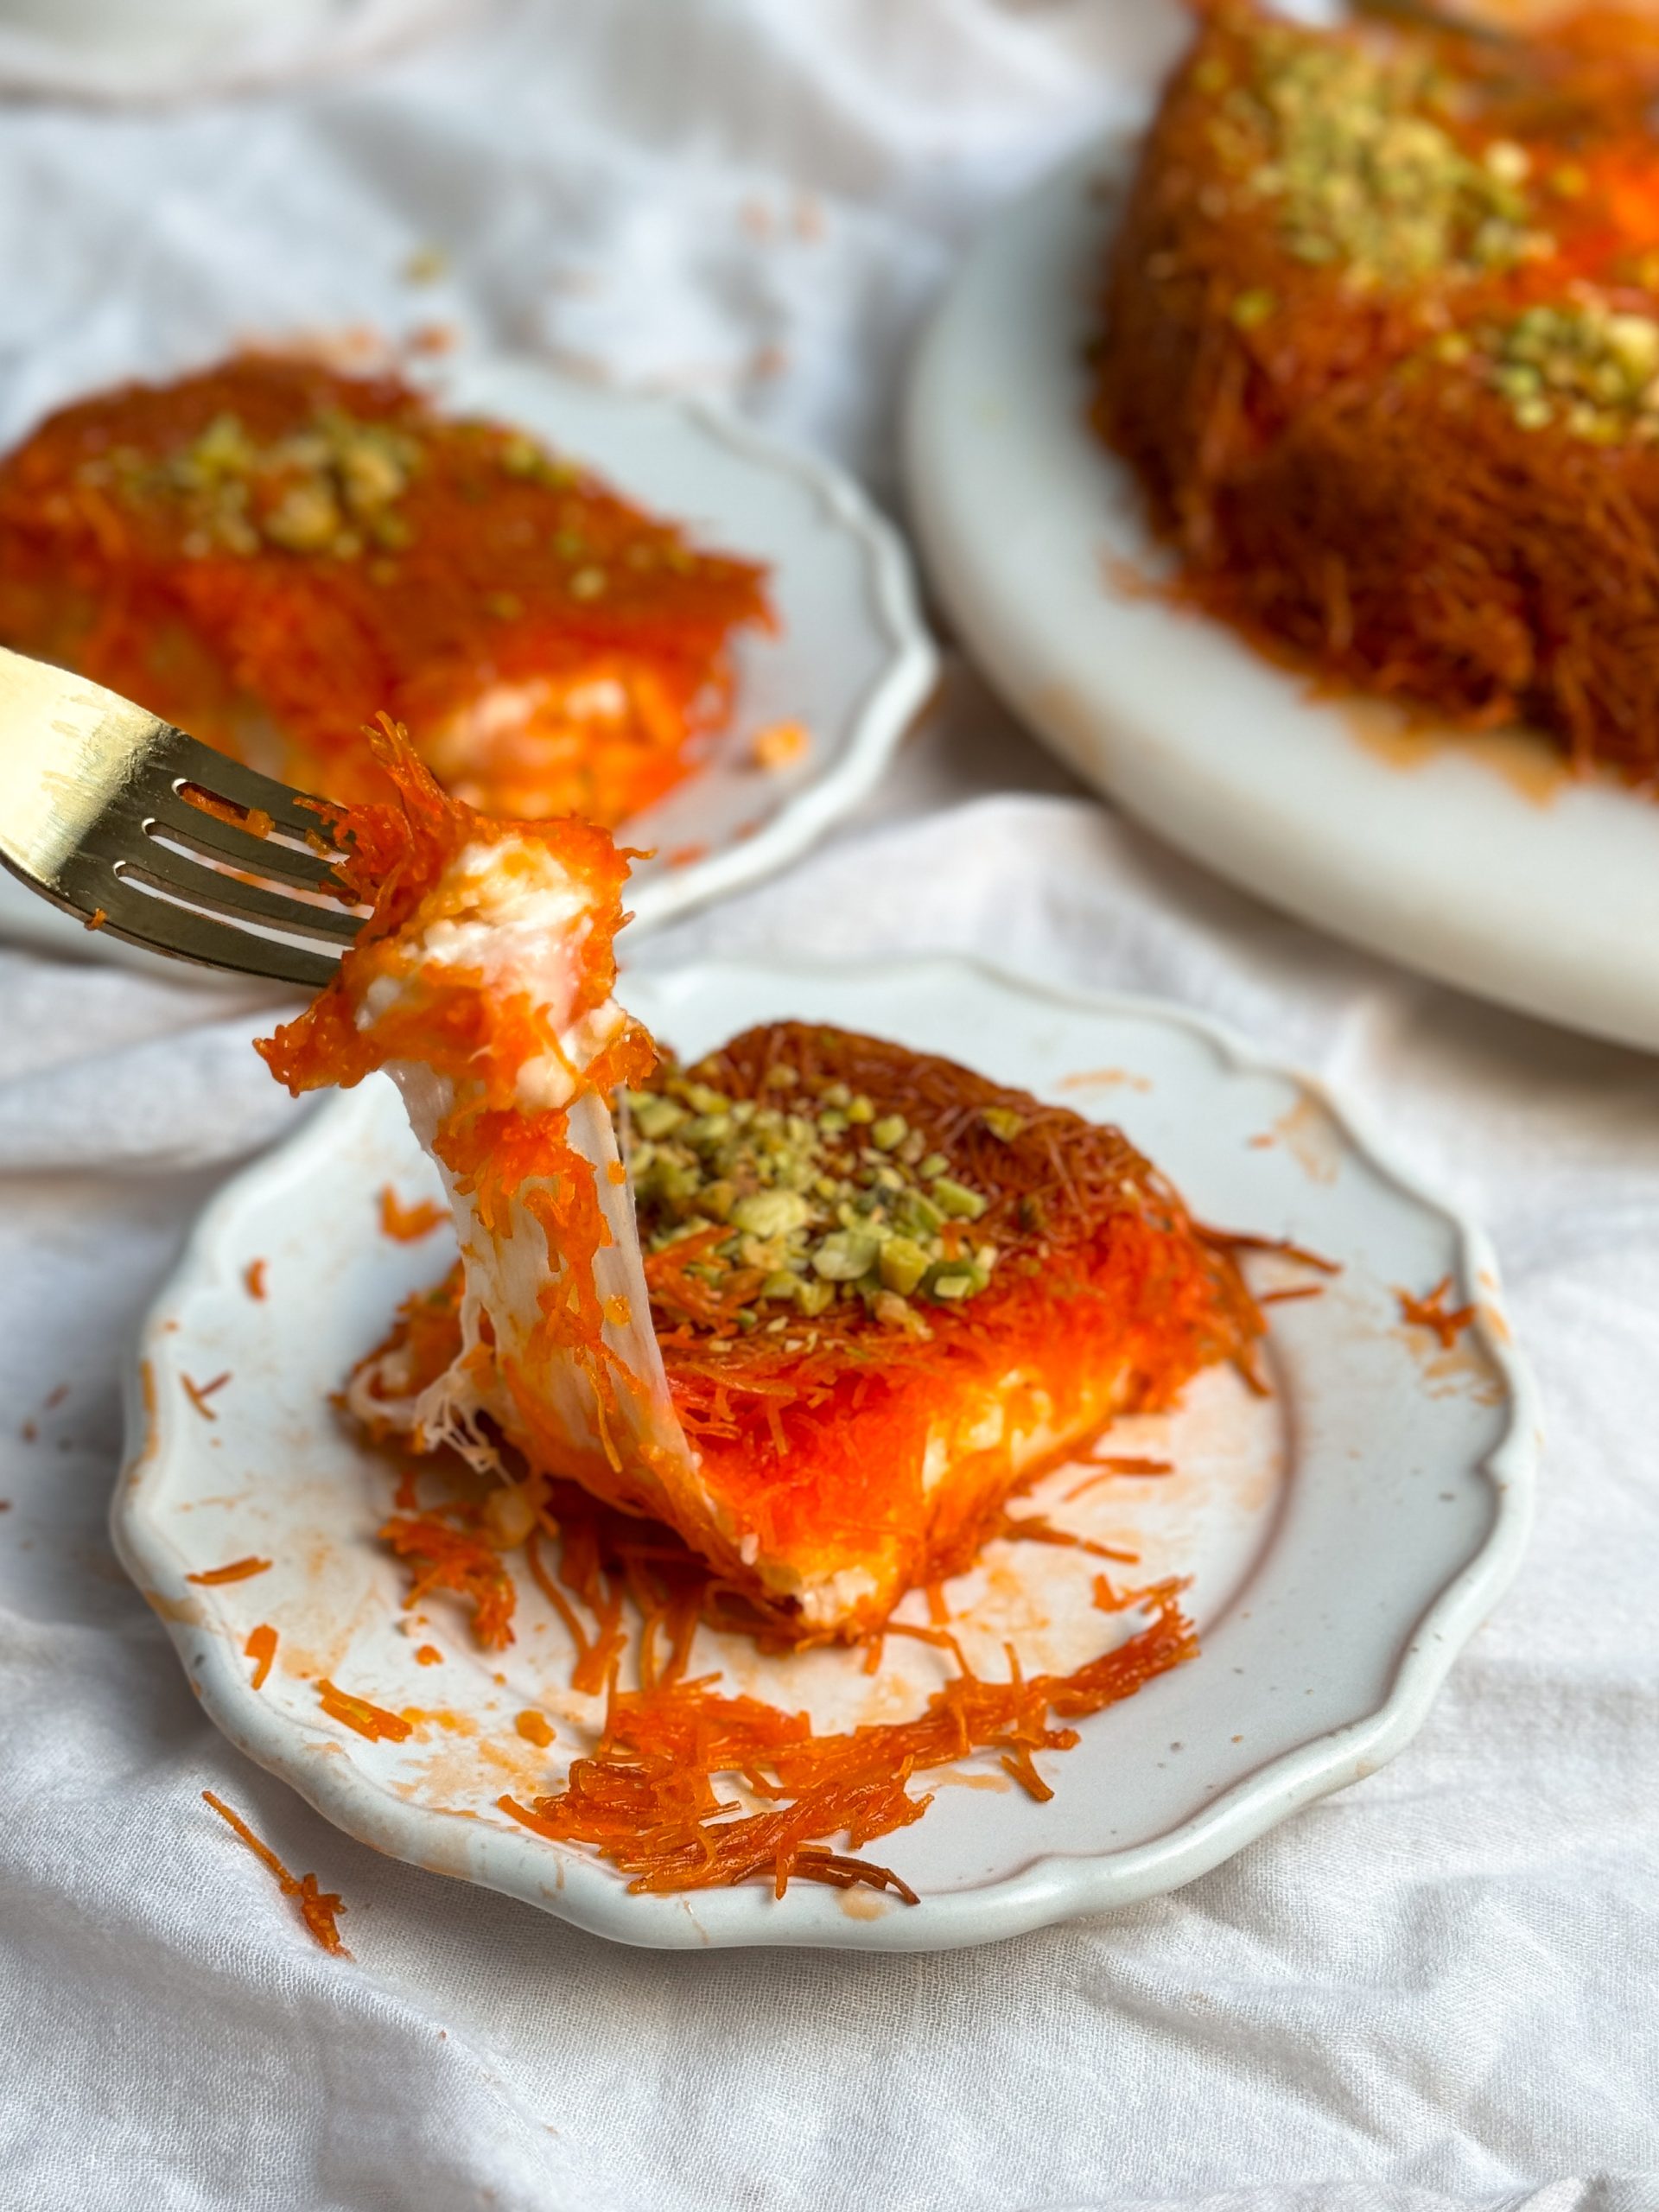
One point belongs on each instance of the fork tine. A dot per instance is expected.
(93, 815)
(157, 800)
(186, 759)
(92, 890)
(195, 885)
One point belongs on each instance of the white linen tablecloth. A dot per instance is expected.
(1437, 1989)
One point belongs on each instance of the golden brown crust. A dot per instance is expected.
(1422, 462)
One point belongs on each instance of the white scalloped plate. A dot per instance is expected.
(852, 660)
(1346, 1536)
(1479, 860)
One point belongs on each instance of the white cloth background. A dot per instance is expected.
(1436, 1990)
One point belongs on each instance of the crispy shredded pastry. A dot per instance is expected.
(1382, 347)
(271, 553)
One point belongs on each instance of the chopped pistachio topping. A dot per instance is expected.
(335, 487)
(331, 488)
(1579, 366)
(821, 1197)
(1353, 146)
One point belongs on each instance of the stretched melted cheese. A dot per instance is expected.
(483, 988)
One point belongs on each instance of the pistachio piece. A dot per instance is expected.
(918, 1216)
(655, 1117)
(957, 1199)
(520, 456)
(718, 1200)
(678, 1184)
(370, 473)
(305, 519)
(895, 1312)
(861, 1110)
(902, 1264)
(705, 1130)
(844, 1255)
(1003, 1122)
(1253, 307)
(767, 1214)
(890, 1132)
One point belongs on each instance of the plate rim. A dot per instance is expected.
(887, 710)
(1183, 799)
(1050, 1887)
(878, 724)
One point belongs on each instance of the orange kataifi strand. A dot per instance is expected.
(319, 1909)
(261, 1648)
(1430, 1314)
(371, 1720)
(238, 1570)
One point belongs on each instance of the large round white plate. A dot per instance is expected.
(852, 661)
(1479, 860)
(1346, 1536)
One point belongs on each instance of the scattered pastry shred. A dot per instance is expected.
(534, 1728)
(1239, 1240)
(781, 744)
(1107, 1469)
(253, 1279)
(1430, 1314)
(261, 1648)
(371, 1720)
(647, 1799)
(427, 1654)
(199, 1393)
(253, 819)
(1038, 1528)
(408, 1224)
(448, 1557)
(319, 1909)
(239, 1570)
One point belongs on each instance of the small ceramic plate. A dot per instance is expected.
(852, 661)
(1344, 1534)
(1478, 860)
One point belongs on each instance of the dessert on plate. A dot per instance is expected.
(1382, 347)
(818, 1303)
(271, 553)
(767, 1340)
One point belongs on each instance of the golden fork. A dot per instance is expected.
(102, 812)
